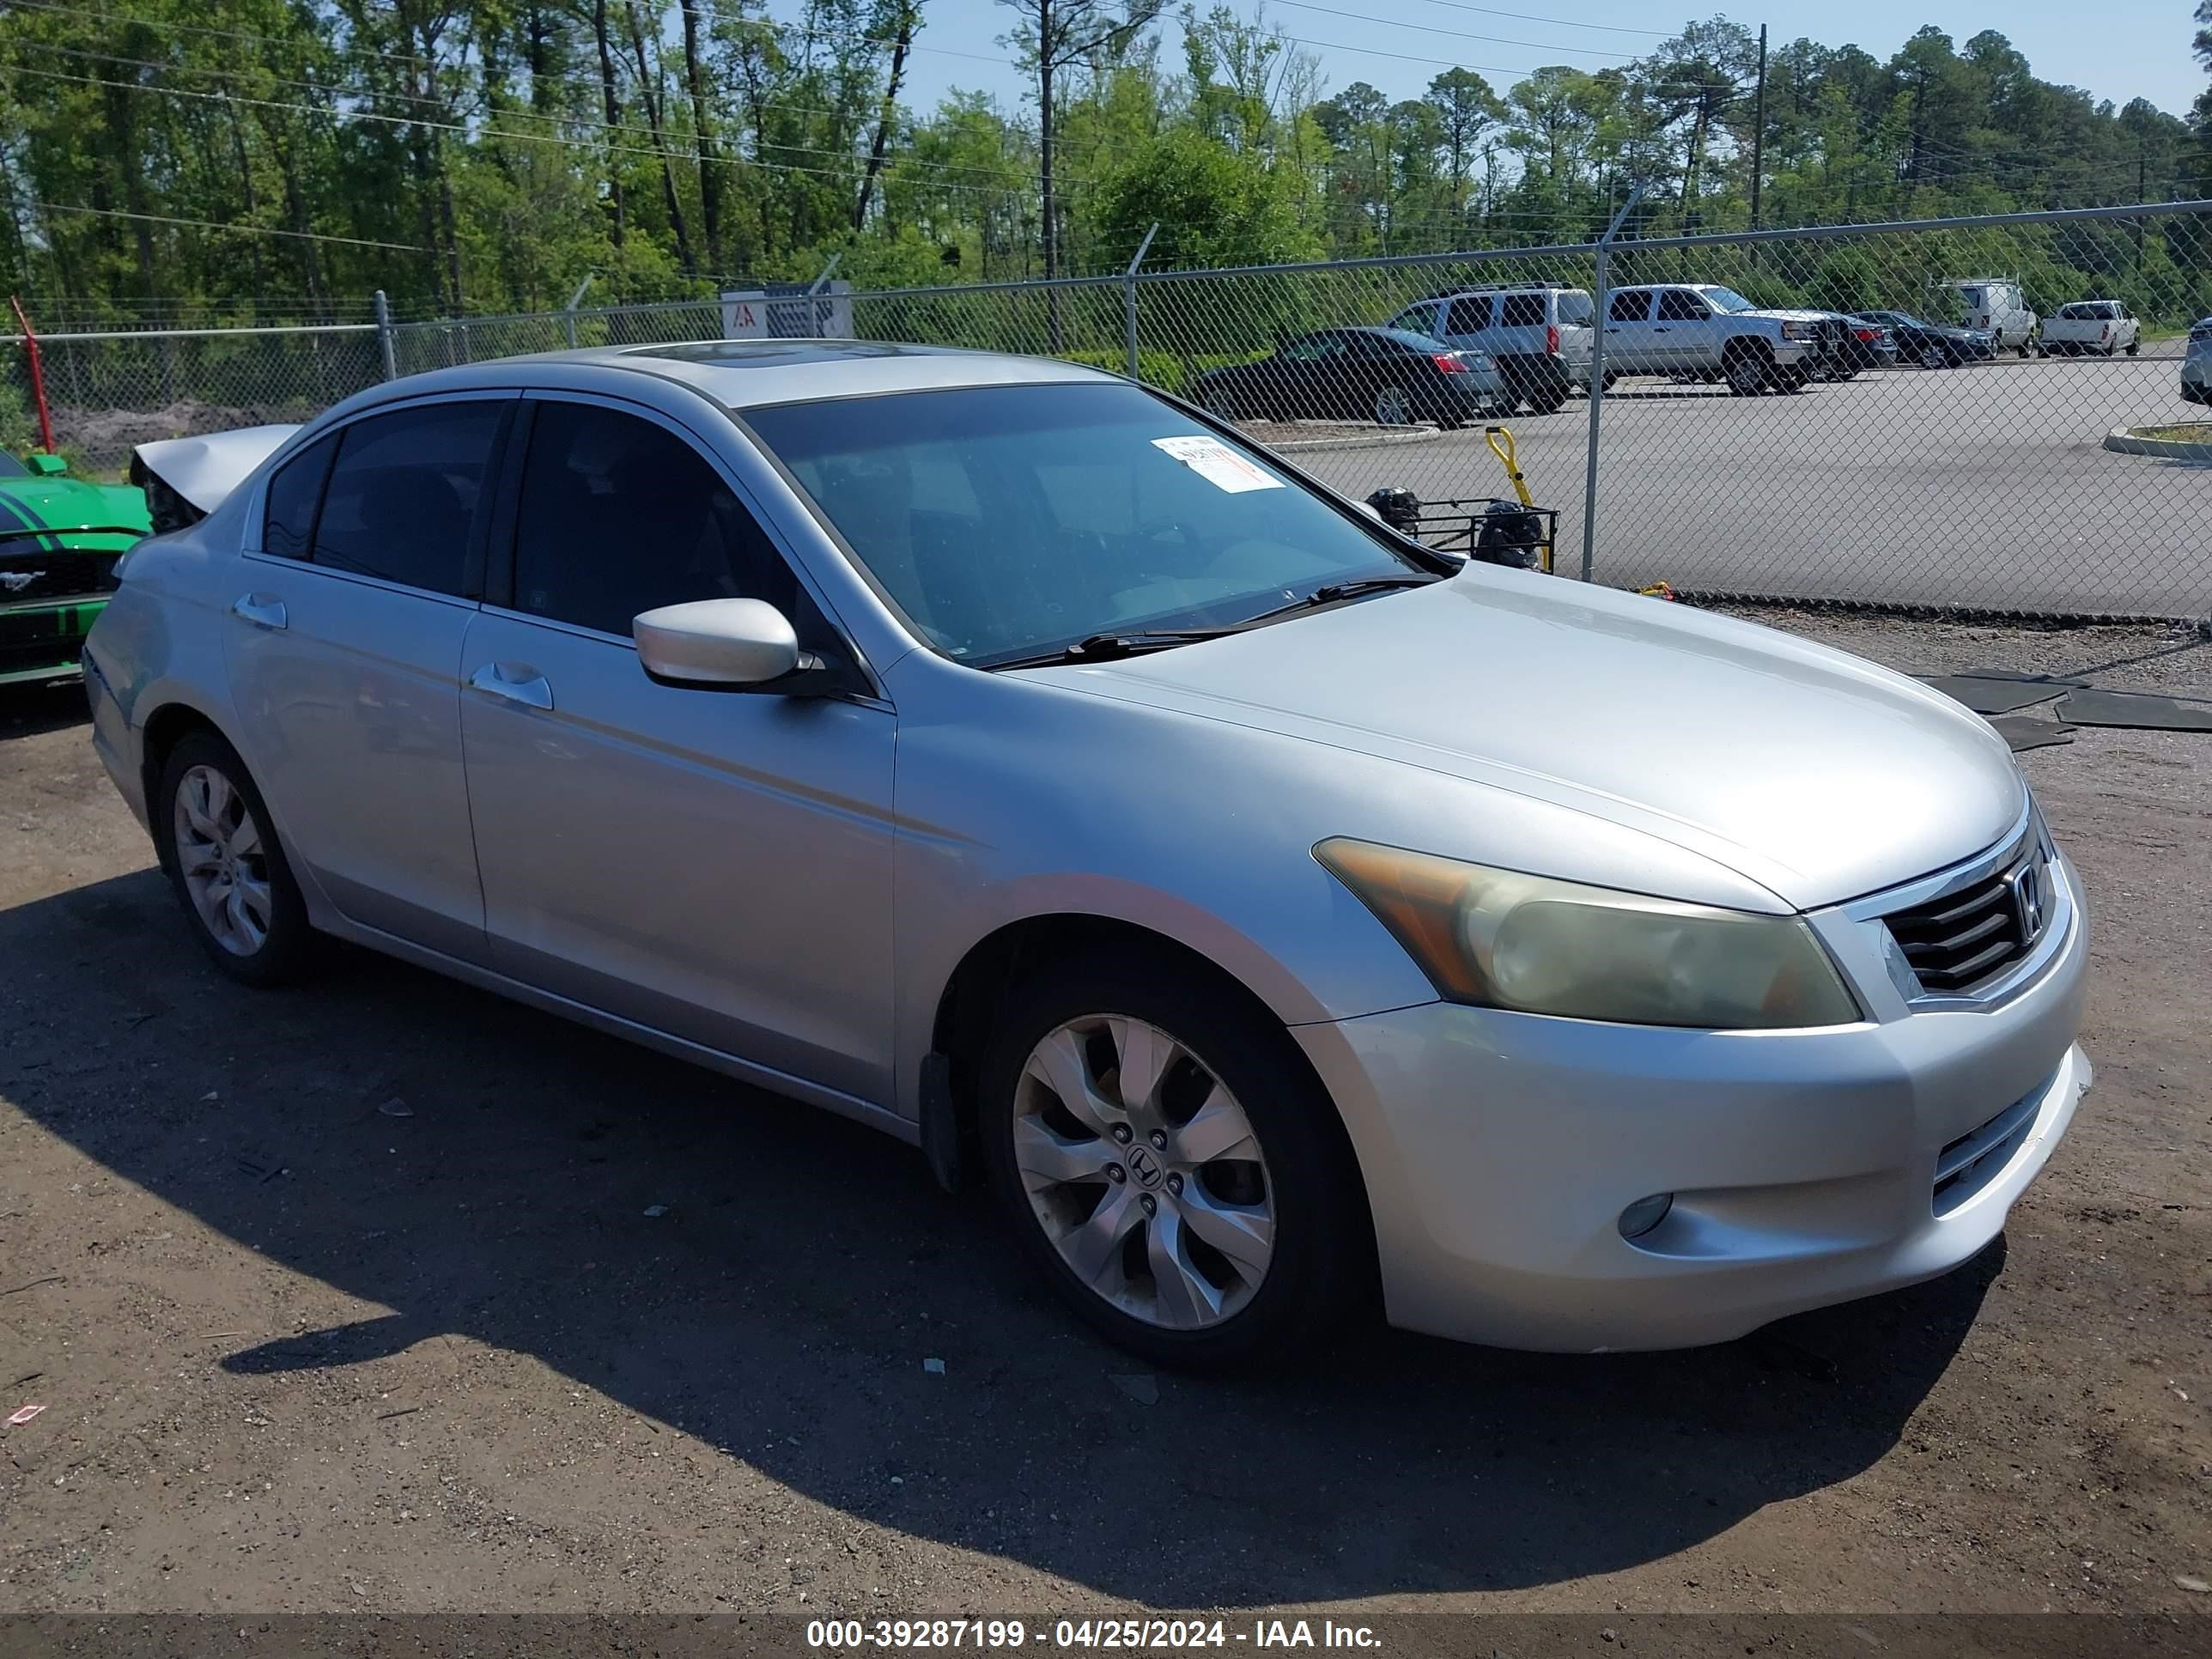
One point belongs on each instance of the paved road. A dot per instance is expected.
(1984, 486)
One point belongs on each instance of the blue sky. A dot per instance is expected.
(2119, 50)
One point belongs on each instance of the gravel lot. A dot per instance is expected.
(301, 1353)
(1987, 485)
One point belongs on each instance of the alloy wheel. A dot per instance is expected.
(1144, 1172)
(221, 859)
(1390, 409)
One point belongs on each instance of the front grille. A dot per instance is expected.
(1968, 934)
(1979, 1157)
(28, 573)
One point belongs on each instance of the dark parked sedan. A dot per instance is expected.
(1391, 376)
(1869, 344)
(1931, 345)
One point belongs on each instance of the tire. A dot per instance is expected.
(1547, 398)
(1075, 1021)
(2133, 346)
(1393, 406)
(1932, 355)
(217, 845)
(1749, 369)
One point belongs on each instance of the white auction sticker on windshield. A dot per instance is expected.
(1218, 464)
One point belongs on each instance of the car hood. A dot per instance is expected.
(1816, 774)
(115, 514)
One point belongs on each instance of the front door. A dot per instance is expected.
(714, 865)
(345, 649)
(1686, 331)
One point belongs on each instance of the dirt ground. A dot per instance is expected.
(386, 1295)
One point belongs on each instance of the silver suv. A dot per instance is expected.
(1539, 336)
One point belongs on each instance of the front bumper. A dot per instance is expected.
(39, 640)
(1499, 1150)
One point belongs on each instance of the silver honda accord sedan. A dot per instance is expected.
(1277, 915)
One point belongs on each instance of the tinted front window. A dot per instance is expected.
(1089, 510)
(295, 492)
(1678, 305)
(403, 494)
(1522, 311)
(618, 516)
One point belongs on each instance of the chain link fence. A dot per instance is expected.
(1910, 415)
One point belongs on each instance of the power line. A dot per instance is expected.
(1431, 29)
(238, 230)
(1563, 22)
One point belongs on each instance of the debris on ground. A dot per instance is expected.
(24, 1416)
(934, 1367)
(1145, 1390)
(654, 1211)
(396, 1107)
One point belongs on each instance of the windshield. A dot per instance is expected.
(12, 468)
(1575, 309)
(1726, 299)
(1009, 521)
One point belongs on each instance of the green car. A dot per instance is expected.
(59, 539)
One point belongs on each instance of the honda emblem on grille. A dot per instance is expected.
(2027, 885)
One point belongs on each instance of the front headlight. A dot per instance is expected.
(1501, 939)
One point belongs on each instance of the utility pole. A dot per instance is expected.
(1759, 129)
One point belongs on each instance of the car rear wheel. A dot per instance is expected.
(215, 841)
(2133, 346)
(1933, 355)
(1169, 1163)
(1393, 407)
(1547, 397)
(1221, 401)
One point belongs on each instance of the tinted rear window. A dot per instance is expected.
(1522, 311)
(403, 494)
(1576, 310)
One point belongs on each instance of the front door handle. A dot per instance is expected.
(516, 681)
(261, 612)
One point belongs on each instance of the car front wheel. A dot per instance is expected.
(217, 843)
(1170, 1163)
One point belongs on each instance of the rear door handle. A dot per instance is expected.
(262, 613)
(515, 682)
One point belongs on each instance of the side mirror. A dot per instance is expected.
(730, 644)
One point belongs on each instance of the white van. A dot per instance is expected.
(1996, 306)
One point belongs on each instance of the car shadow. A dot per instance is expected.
(770, 1279)
(28, 710)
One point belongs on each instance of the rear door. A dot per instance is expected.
(713, 864)
(345, 649)
(1631, 345)
(1469, 325)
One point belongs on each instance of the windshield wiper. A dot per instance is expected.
(1109, 648)
(1330, 593)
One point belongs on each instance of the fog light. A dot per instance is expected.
(1641, 1217)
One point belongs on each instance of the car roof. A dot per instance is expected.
(752, 374)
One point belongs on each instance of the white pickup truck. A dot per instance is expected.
(2091, 328)
(1704, 330)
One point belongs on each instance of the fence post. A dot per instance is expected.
(1129, 295)
(1599, 303)
(384, 345)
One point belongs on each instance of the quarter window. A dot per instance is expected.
(288, 526)
(620, 516)
(403, 495)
